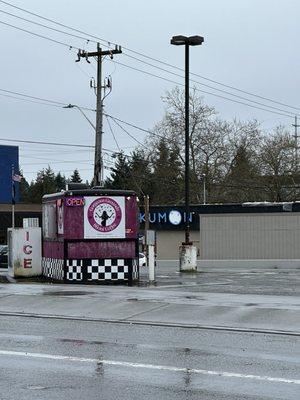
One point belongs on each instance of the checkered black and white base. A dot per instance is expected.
(74, 270)
(91, 270)
(135, 269)
(101, 270)
(53, 268)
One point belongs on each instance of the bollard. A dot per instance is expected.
(151, 263)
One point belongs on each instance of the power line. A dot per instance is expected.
(130, 124)
(129, 134)
(170, 72)
(203, 91)
(53, 102)
(47, 143)
(61, 162)
(40, 36)
(112, 132)
(41, 158)
(32, 97)
(209, 86)
(47, 27)
(63, 171)
(207, 79)
(50, 152)
(135, 127)
(53, 144)
(29, 101)
(54, 22)
(60, 104)
(151, 65)
(139, 54)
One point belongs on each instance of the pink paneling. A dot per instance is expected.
(73, 222)
(53, 249)
(131, 222)
(116, 249)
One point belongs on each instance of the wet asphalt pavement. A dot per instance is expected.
(150, 342)
(112, 361)
(266, 281)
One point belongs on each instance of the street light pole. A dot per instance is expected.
(188, 252)
(187, 144)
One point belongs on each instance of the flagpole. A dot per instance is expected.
(13, 196)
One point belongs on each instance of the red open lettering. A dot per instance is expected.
(75, 201)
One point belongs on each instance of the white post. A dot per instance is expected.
(13, 195)
(204, 188)
(150, 242)
(151, 263)
(13, 216)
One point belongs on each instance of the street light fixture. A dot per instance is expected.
(184, 40)
(80, 109)
(187, 42)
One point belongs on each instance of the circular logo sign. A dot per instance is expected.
(104, 214)
(175, 217)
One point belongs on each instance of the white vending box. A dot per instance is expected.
(24, 252)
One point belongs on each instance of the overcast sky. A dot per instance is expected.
(251, 45)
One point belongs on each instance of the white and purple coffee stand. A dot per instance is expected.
(90, 236)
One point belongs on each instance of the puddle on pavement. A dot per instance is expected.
(69, 293)
(36, 387)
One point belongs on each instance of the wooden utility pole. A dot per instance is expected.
(146, 206)
(99, 54)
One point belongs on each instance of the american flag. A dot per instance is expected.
(16, 178)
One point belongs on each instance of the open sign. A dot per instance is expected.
(74, 201)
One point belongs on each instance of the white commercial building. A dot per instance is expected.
(250, 239)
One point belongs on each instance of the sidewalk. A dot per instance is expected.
(154, 305)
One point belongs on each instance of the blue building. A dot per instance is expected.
(9, 160)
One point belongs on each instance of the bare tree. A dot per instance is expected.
(207, 135)
(277, 164)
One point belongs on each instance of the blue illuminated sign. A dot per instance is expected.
(173, 217)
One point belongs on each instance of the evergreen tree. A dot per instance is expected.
(141, 179)
(60, 182)
(167, 179)
(44, 184)
(121, 174)
(24, 188)
(75, 177)
(242, 181)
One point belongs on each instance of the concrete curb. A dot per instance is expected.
(151, 323)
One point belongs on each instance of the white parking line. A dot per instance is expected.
(148, 366)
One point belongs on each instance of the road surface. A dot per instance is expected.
(42, 358)
(219, 334)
